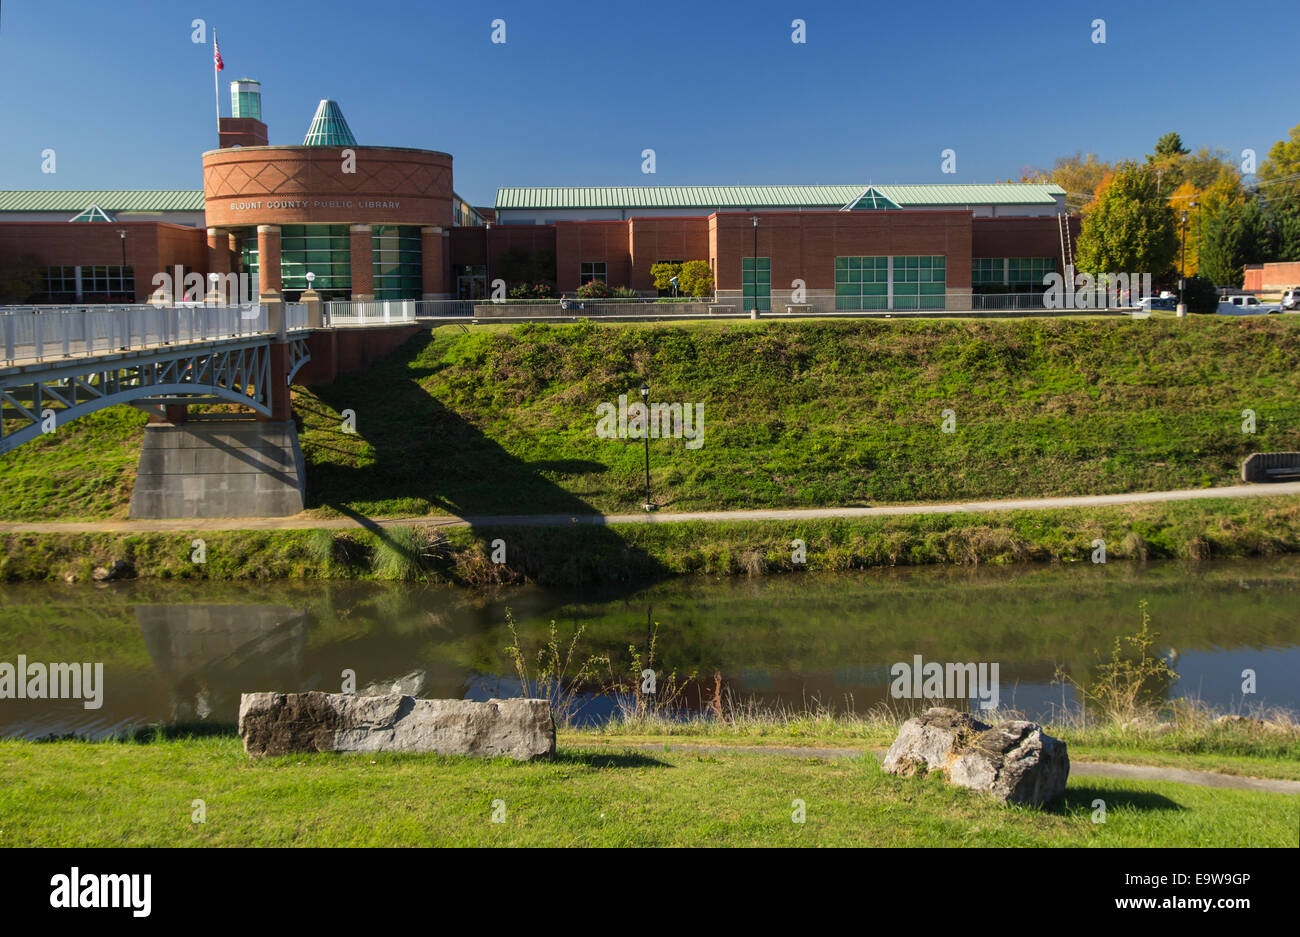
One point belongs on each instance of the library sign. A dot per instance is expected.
(314, 203)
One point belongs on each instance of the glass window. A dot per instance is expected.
(593, 270)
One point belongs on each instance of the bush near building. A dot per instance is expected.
(1201, 295)
(694, 278)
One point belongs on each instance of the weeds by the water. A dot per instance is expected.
(1124, 687)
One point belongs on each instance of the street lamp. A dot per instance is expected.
(645, 409)
(487, 260)
(1182, 273)
(753, 268)
(122, 232)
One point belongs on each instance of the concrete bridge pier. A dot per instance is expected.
(219, 468)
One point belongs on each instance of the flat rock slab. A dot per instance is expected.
(1016, 761)
(292, 723)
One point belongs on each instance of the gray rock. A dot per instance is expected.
(120, 569)
(286, 723)
(928, 742)
(1014, 761)
(410, 684)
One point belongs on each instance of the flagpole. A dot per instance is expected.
(216, 87)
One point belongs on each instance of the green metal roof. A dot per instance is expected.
(773, 196)
(329, 128)
(120, 200)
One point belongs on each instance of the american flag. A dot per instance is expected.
(216, 54)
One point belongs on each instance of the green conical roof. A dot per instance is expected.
(328, 128)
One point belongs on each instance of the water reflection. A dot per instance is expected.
(176, 653)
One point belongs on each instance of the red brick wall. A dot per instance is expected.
(151, 247)
(1021, 237)
(1279, 276)
(468, 244)
(339, 351)
(307, 185)
(804, 245)
(577, 242)
(656, 239)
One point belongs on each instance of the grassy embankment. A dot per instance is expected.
(115, 794)
(1214, 528)
(501, 419)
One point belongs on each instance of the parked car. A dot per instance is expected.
(1291, 299)
(1245, 306)
(1150, 303)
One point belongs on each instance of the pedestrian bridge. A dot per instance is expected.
(58, 364)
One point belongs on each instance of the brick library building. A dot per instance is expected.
(385, 223)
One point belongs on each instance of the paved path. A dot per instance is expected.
(306, 521)
(1078, 769)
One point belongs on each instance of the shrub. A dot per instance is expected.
(594, 289)
(696, 279)
(532, 291)
(1201, 295)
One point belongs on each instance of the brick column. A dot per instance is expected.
(218, 250)
(268, 259)
(363, 263)
(218, 268)
(433, 255)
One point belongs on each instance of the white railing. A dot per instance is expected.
(371, 312)
(295, 316)
(34, 334)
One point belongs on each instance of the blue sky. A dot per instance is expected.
(578, 90)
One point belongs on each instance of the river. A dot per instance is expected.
(176, 652)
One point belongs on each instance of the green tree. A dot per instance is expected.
(1168, 162)
(1170, 145)
(1235, 234)
(663, 273)
(1081, 177)
(1286, 235)
(1279, 174)
(696, 279)
(1132, 229)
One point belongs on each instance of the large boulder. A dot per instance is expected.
(289, 723)
(1014, 761)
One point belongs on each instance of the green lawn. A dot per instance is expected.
(128, 794)
(502, 418)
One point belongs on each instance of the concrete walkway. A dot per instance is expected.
(1078, 769)
(307, 522)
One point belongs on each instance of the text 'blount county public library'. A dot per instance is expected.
(374, 222)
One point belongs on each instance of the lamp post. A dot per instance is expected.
(645, 408)
(487, 260)
(753, 268)
(122, 232)
(1182, 271)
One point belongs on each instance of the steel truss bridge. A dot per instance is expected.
(57, 365)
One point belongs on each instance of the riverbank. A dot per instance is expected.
(207, 792)
(630, 553)
(502, 419)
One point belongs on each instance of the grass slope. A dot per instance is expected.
(502, 418)
(577, 555)
(113, 794)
